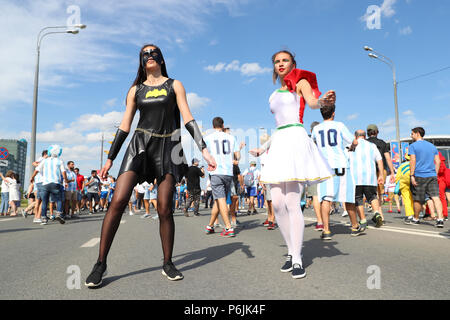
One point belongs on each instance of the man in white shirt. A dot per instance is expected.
(331, 138)
(51, 169)
(363, 163)
(223, 147)
(251, 180)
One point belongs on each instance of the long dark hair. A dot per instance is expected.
(141, 75)
(274, 74)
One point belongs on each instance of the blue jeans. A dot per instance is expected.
(260, 200)
(5, 202)
(53, 189)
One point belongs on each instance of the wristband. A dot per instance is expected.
(196, 134)
(117, 144)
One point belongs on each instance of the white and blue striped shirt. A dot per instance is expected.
(51, 170)
(363, 163)
(71, 175)
(222, 147)
(38, 177)
(331, 138)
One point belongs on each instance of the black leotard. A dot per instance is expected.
(155, 148)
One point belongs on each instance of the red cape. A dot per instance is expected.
(291, 80)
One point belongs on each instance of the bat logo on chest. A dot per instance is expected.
(155, 93)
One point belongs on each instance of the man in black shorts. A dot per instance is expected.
(193, 176)
(424, 166)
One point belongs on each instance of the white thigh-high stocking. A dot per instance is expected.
(289, 216)
(297, 223)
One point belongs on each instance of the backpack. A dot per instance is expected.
(249, 179)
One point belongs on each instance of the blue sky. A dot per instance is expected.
(220, 50)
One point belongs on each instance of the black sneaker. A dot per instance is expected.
(414, 222)
(408, 220)
(95, 278)
(378, 220)
(287, 267)
(325, 236)
(171, 272)
(249, 212)
(60, 218)
(255, 212)
(440, 224)
(356, 232)
(298, 272)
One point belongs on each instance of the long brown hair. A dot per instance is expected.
(141, 75)
(274, 74)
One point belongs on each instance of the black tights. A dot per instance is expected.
(122, 194)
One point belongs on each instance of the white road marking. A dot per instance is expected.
(91, 243)
(8, 219)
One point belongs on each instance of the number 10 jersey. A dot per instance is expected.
(222, 147)
(331, 138)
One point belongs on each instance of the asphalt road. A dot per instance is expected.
(396, 261)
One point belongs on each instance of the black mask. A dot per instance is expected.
(154, 54)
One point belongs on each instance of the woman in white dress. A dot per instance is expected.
(294, 160)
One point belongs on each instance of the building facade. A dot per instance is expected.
(13, 156)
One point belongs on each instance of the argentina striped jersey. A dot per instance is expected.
(363, 163)
(51, 170)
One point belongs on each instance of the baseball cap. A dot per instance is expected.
(372, 127)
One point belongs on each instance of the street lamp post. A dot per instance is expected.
(376, 55)
(36, 84)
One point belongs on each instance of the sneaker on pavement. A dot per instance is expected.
(325, 235)
(209, 230)
(97, 273)
(440, 224)
(255, 212)
(44, 222)
(345, 214)
(266, 223)
(37, 220)
(363, 226)
(229, 233)
(298, 272)
(171, 272)
(287, 267)
(377, 219)
(60, 218)
(145, 216)
(414, 222)
(319, 227)
(408, 220)
(356, 232)
(271, 226)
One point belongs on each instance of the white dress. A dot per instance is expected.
(14, 194)
(293, 156)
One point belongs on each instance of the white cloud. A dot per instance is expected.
(246, 69)
(387, 8)
(195, 101)
(111, 102)
(213, 42)
(217, 68)
(353, 116)
(408, 113)
(405, 31)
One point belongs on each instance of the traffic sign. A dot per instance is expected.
(3, 163)
(4, 153)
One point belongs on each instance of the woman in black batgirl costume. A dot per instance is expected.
(154, 151)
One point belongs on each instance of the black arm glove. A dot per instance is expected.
(196, 134)
(117, 144)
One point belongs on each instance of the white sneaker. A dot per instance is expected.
(37, 220)
(345, 214)
(131, 213)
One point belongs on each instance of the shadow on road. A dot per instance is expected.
(317, 248)
(205, 256)
(17, 230)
